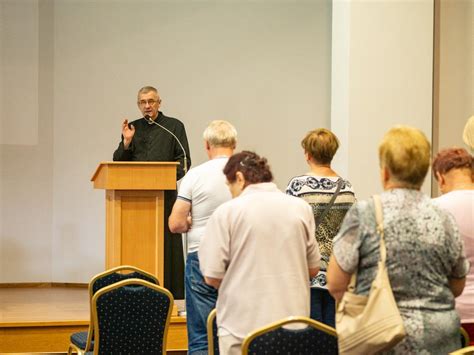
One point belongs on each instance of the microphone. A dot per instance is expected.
(150, 121)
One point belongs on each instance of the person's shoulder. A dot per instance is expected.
(293, 201)
(295, 184)
(347, 186)
(226, 209)
(302, 177)
(439, 206)
(197, 170)
(364, 207)
(138, 121)
(171, 120)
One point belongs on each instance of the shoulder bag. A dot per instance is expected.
(370, 324)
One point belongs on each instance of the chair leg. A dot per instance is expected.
(74, 349)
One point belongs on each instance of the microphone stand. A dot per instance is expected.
(150, 121)
(185, 169)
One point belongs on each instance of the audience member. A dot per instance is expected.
(425, 258)
(319, 187)
(259, 251)
(201, 191)
(453, 170)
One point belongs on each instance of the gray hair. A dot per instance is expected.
(146, 90)
(220, 133)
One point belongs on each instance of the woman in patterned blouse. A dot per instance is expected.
(317, 187)
(425, 261)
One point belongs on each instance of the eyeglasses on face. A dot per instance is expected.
(150, 102)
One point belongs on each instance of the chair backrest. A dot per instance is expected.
(212, 339)
(314, 338)
(131, 317)
(464, 351)
(117, 274)
(110, 277)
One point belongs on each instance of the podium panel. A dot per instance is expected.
(135, 229)
(135, 212)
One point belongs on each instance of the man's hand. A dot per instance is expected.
(127, 133)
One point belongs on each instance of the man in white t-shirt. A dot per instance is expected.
(201, 191)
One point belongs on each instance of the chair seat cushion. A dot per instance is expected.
(80, 340)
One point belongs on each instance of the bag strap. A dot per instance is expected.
(331, 202)
(380, 232)
(379, 220)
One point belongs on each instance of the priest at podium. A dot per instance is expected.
(156, 137)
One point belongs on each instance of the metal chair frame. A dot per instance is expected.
(210, 331)
(465, 337)
(469, 350)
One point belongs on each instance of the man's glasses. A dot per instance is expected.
(150, 102)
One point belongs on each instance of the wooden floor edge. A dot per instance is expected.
(43, 284)
(69, 323)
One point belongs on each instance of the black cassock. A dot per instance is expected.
(152, 143)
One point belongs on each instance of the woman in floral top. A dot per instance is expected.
(317, 187)
(425, 258)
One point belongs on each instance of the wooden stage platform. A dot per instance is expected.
(41, 319)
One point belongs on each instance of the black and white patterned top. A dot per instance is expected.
(424, 250)
(318, 191)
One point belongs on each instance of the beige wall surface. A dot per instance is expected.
(263, 65)
(19, 42)
(382, 76)
(26, 153)
(456, 71)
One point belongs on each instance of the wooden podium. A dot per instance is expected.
(135, 212)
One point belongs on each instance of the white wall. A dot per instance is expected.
(26, 144)
(263, 65)
(382, 76)
(456, 90)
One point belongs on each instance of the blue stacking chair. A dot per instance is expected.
(131, 317)
(82, 342)
(313, 338)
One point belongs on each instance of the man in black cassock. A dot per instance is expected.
(143, 140)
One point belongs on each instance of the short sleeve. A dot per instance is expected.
(214, 250)
(455, 248)
(288, 190)
(185, 191)
(347, 242)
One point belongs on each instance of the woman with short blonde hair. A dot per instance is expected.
(405, 152)
(425, 260)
